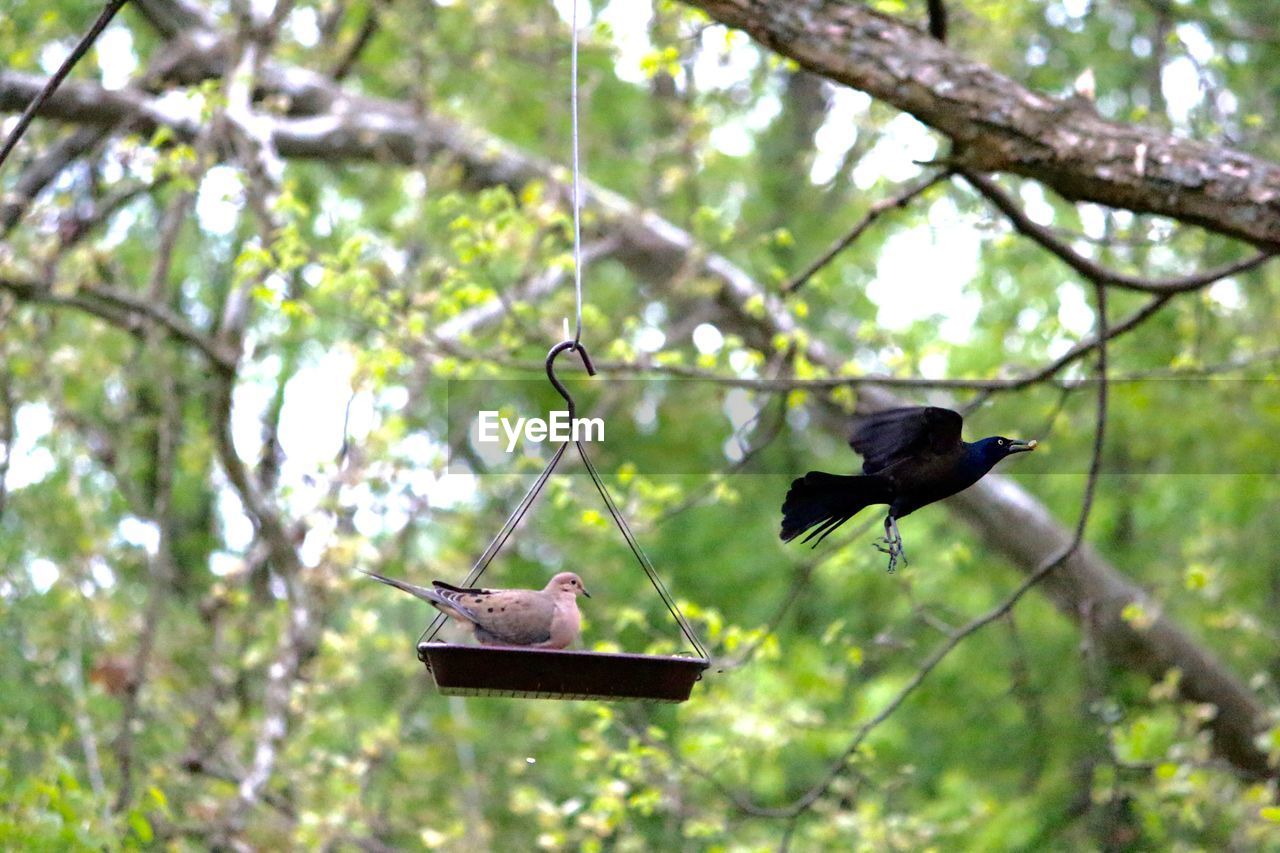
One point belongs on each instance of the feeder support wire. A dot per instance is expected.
(577, 173)
(498, 541)
(518, 514)
(640, 556)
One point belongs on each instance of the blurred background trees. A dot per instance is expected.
(250, 255)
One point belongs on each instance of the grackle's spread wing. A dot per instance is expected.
(896, 434)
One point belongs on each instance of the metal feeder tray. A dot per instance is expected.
(526, 673)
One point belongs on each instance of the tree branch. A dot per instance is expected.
(1093, 270)
(839, 766)
(1008, 518)
(77, 53)
(996, 124)
(42, 171)
(123, 309)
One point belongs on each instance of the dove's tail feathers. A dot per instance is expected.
(416, 591)
(819, 503)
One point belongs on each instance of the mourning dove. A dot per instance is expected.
(547, 618)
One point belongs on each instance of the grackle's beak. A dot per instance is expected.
(1016, 446)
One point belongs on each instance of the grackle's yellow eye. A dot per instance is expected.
(1001, 442)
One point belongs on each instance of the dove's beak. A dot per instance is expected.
(1016, 446)
(584, 592)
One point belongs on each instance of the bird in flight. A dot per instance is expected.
(911, 457)
(545, 618)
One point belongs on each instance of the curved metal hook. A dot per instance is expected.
(551, 370)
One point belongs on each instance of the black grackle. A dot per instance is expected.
(911, 458)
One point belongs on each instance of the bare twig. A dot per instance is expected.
(162, 571)
(771, 431)
(989, 386)
(368, 28)
(1098, 342)
(300, 635)
(124, 309)
(40, 172)
(77, 53)
(1202, 370)
(174, 218)
(223, 774)
(1092, 270)
(898, 200)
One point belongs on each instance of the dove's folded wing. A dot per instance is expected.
(515, 618)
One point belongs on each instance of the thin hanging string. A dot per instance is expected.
(641, 557)
(577, 171)
(522, 508)
(614, 511)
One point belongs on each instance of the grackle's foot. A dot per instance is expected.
(891, 544)
(895, 551)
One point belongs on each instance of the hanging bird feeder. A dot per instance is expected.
(562, 674)
(463, 670)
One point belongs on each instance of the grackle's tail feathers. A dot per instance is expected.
(824, 501)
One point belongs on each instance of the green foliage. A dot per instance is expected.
(1017, 741)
